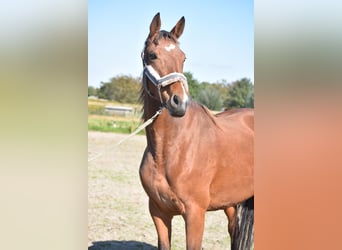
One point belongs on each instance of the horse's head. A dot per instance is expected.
(163, 66)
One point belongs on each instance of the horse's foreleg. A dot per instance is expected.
(231, 214)
(194, 224)
(162, 221)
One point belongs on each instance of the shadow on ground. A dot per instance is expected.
(121, 245)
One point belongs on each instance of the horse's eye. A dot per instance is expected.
(152, 56)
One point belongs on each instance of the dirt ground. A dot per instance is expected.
(118, 216)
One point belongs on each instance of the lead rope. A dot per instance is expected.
(141, 127)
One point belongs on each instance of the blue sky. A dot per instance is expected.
(218, 38)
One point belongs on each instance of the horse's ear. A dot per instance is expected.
(155, 25)
(179, 27)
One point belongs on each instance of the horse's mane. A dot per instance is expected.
(142, 95)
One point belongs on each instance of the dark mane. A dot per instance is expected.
(142, 95)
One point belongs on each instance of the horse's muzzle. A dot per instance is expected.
(177, 106)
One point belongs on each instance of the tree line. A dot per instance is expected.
(216, 96)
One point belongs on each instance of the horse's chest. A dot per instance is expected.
(158, 189)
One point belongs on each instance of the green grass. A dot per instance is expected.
(100, 120)
(107, 125)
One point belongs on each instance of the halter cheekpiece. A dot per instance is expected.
(164, 81)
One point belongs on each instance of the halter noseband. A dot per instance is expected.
(160, 82)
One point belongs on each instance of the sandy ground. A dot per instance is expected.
(118, 216)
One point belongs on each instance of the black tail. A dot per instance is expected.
(243, 237)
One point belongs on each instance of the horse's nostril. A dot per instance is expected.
(176, 99)
(177, 106)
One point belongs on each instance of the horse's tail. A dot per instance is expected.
(244, 226)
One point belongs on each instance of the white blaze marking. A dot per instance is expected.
(170, 47)
(185, 98)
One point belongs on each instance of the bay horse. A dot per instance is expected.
(194, 161)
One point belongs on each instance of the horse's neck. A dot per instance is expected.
(163, 128)
(168, 129)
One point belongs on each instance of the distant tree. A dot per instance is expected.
(92, 91)
(240, 94)
(250, 102)
(194, 85)
(211, 98)
(124, 89)
(222, 87)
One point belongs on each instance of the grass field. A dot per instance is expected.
(100, 120)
